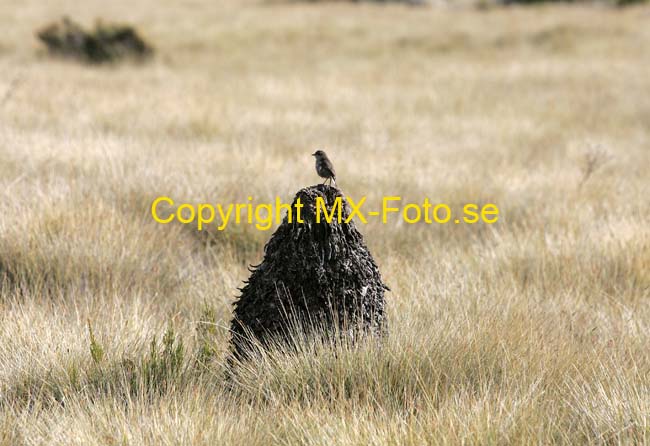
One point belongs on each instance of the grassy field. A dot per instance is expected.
(534, 330)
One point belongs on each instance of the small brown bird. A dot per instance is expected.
(324, 167)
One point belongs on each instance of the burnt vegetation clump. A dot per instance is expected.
(315, 277)
(105, 43)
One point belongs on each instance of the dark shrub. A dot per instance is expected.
(106, 43)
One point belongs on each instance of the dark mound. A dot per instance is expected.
(106, 43)
(313, 274)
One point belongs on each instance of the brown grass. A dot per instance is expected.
(532, 330)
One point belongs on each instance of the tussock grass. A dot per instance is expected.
(531, 331)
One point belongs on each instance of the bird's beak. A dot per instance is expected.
(313, 154)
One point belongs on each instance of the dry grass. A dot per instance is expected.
(534, 330)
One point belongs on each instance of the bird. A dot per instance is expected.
(324, 167)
